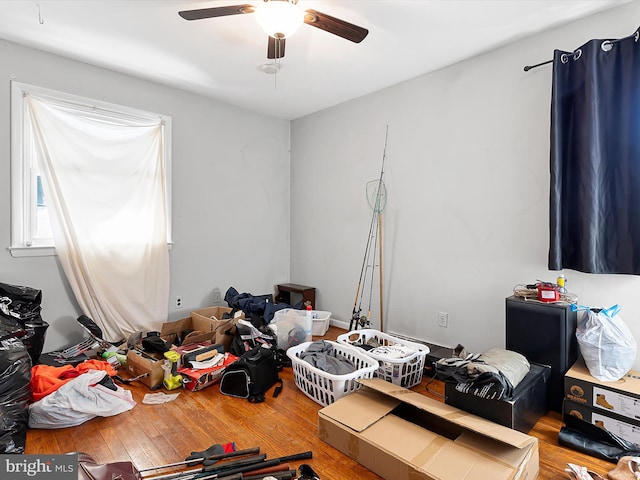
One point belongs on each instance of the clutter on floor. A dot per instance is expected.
(220, 461)
(81, 398)
(243, 348)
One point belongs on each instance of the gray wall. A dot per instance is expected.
(467, 175)
(230, 190)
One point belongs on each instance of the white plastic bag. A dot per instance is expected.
(606, 344)
(79, 400)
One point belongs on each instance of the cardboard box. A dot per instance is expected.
(403, 435)
(140, 362)
(624, 428)
(213, 315)
(521, 411)
(621, 398)
(171, 331)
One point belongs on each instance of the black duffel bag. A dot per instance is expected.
(255, 372)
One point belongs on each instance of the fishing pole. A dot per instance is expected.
(356, 318)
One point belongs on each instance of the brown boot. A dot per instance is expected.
(602, 401)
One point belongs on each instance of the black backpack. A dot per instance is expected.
(255, 372)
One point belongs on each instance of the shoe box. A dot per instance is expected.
(619, 399)
(623, 427)
(400, 434)
(521, 411)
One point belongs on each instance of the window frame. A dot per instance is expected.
(23, 192)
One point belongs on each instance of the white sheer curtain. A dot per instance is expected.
(104, 184)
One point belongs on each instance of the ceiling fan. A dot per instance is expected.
(280, 19)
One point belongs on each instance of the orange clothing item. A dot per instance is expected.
(46, 379)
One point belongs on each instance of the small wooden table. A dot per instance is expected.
(286, 289)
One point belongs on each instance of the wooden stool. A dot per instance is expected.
(286, 289)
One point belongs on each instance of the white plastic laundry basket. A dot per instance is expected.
(406, 372)
(325, 388)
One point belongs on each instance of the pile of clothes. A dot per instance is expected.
(323, 356)
(493, 374)
(69, 395)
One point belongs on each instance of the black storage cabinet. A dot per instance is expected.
(545, 333)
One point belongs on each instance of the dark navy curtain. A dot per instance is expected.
(595, 158)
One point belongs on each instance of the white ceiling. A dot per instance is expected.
(220, 57)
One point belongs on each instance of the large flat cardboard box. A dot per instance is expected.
(521, 411)
(403, 435)
(623, 427)
(621, 397)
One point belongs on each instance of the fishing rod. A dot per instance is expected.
(374, 228)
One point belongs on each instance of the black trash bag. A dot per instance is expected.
(10, 328)
(22, 304)
(588, 438)
(34, 339)
(15, 394)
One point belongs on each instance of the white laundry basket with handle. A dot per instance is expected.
(323, 387)
(405, 371)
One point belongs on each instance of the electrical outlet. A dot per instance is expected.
(178, 302)
(443, 319)
(217, 296)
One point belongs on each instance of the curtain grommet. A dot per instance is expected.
(577, 54)
(606, 46)
(564, 58)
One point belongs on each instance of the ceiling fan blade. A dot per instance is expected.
(216, 12)
(336, 26)
(275, 47)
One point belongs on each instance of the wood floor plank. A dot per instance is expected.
(152, 435)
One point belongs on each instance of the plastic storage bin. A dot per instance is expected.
(293, 327)
(320, 322)
(325, 388)
(406, 371)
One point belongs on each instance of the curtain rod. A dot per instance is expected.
(609, 42)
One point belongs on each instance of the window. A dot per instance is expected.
(30, 227)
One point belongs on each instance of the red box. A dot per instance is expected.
(548, 293)
(196, 380)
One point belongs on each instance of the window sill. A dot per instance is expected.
(18, 252)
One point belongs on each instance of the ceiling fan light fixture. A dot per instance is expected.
(279, 18)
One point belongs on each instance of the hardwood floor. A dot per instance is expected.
(153, 435)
